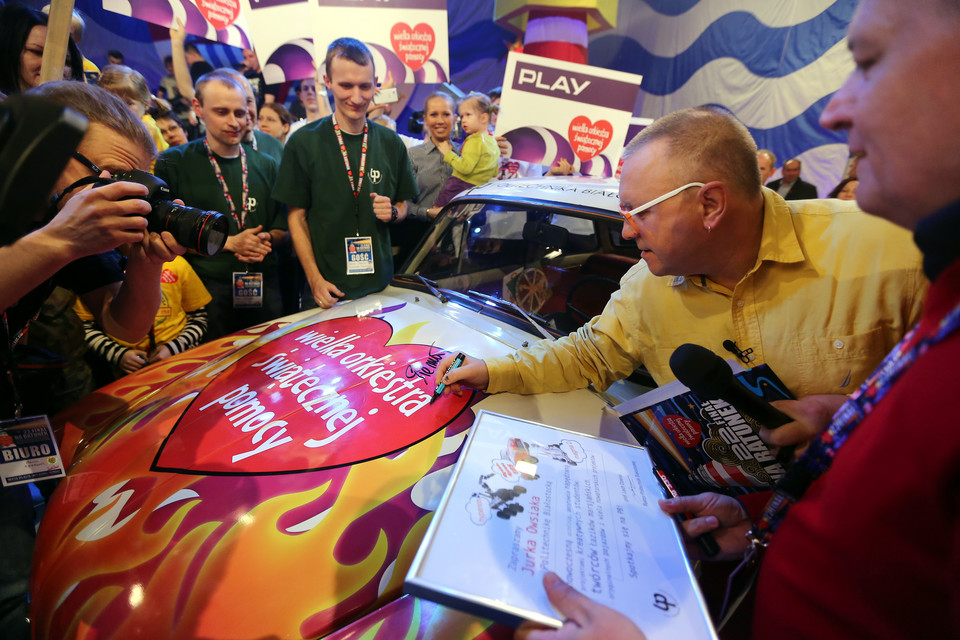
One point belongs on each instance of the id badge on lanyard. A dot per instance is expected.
(359, 250)
(247, 290)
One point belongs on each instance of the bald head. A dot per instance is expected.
(705, 144)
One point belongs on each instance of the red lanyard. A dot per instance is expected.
(346, 159)
(226, 190)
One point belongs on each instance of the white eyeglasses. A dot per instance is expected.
(628, 215)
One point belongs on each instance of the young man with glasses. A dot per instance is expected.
(724, 259)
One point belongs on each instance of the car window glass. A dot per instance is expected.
(561, 266)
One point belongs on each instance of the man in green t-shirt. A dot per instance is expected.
(345, 180)
(217, 173)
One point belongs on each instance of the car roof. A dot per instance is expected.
(597, 195)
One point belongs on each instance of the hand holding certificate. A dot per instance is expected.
(527, 500)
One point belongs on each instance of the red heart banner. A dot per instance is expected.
(588, 139)
(220, 13)
(413, 44)
(325, 395)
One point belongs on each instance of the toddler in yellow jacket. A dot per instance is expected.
(479, 158)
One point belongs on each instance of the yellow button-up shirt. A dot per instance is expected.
(830, 294)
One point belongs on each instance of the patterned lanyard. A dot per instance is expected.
(346, 159)
(822, 451)
(226, 190)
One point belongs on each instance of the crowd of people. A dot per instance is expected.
(322, 204)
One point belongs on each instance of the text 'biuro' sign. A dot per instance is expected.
(325, 395)
(552, 109)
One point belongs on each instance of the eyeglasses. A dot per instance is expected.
(628, 215)
(87, 162)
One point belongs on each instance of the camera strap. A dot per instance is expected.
(242, 219)
(82, 182)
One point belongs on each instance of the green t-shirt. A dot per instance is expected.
(267, 144)
(188, 171)
(313, 177)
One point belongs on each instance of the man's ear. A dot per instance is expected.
(197, 107)
(714, 197)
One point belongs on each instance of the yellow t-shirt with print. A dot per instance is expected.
(181, 292)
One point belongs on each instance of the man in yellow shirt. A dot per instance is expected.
(806, 291)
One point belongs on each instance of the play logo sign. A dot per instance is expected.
(326, 395)
(413, 45)
(589, 139)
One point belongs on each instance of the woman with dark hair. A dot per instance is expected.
(846, 190)
(275, 120)
(23, 34)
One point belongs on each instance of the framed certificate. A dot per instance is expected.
(526, 498)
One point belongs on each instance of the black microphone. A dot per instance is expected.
(709, 376)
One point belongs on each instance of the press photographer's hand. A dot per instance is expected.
(97, 220)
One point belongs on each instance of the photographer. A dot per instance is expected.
(75, 249)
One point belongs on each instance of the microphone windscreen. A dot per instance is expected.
(707, 374)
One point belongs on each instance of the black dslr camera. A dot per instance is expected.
(203, 231)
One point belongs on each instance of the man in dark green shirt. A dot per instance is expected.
(345, 180)
(217, 173)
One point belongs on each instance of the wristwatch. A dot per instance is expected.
(394, 213)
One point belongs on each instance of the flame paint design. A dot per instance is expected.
(124, 552)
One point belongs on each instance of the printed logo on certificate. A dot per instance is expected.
(247, 290)
(28, 451)
(359, 255)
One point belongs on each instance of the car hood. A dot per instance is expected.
(273, 483)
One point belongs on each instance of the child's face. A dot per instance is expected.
(471, 120)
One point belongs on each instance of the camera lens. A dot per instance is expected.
(202, 231)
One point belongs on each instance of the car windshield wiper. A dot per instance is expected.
(431, 286)
(509, 305)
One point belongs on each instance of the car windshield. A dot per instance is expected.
(559, 266)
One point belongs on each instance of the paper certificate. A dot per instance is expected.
(552, 109)
(527, 498)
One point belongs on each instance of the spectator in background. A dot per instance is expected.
(23, 35)
(338, 212)
(197, 64)
(254, 74)
(131, 87)
(180, 324)
(846, 190)
(221, 173)
(254, 138)
(479, 158)
(315, 105)
(275, 120)
(169, 90)
(114, 57)
(431, 173)
(172, 129)
(91, 72)
(767, 162)
(791, 186)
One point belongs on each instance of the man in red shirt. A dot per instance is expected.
(870, 549)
